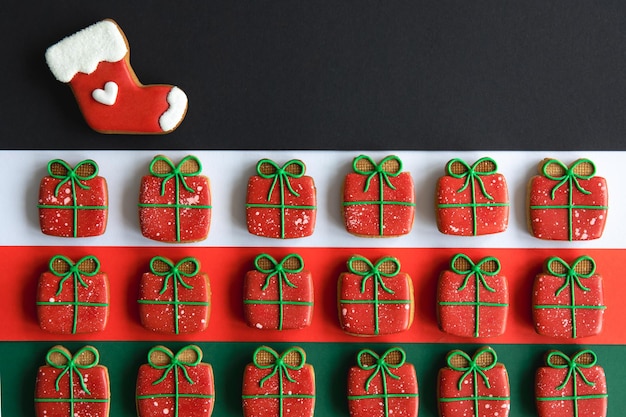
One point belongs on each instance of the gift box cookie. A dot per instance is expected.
(175, 201)
(70, 386)
(476, 386)
(375, 298)
(472, 200)
(567, 203)
(281, 200)
(73, 200)
(571, 387)
(278, 295)
(568, 300)
(174, 298)
(73, 297)
(382, 385)
(378, 199)
(472, 298)
(177, 385)
(278, 385)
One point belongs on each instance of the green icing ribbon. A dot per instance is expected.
(73, 369)
(572, 279)
(177, 276)
(383, 180)
(281, 177)
(479, 273)
(74, 272)
(574, 371)
(472, 179)
(383, 368)
(280, 271)
(570, 179)
(75, 180)
(179, 178)
(475, 370)
(176, 367)
(279, 368)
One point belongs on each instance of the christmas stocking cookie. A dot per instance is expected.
(96, 64)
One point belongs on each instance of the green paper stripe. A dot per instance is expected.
(573, 397)
(391, 203)
(472, 398)
(277, 396)
(568, 307)
(365, 397)
(375, 302)
(73, 207)
(250, 205)
(176, 206)
(72, 400)
(279, 302)
(567, 206)
(71, 303)
(471, 205)
(185, 303)
(472, 303)
(173, 395)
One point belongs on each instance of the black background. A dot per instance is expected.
(333, 74)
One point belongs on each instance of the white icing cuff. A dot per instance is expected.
(84, 50)
(172, 117)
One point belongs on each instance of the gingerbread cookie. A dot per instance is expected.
(568, 300)
(472, 200)
(96, 64)
(177, 385)
(571, 387)
(378, 199)
(174, 298)
(281, 201)
(472, 298)
(73, 297)
(73, 201)
(567, 203)
(375, 299)
(278, 385)
(72, 386)
(476, 386)
(382, 386)
(175, 201)
(278, 295)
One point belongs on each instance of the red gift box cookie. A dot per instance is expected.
(174, 298)
(375, 299)
(178, 384)
(571, 387)
(175, 201)
(278, 385)
(281, 201)
(96, 63)
(472, 200)
(378, 199)
(278, 295)
(73, 297)
(568, 300)
(472, 298)
(73, 201)
(567, 203)
(72, 386)
(477, 386)
(382, 386)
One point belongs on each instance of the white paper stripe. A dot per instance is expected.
(229, 172)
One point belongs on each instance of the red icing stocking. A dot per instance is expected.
(95, 62)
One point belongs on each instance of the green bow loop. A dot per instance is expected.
(381, 366)
(471, 174)
(279, 366)
(374, 271)
(473, 368)
(570, 176)
(571, 276)
(278, 269)
(72, 365)
(74, 270)
(281, 174)
(476, 270)
(175, 171)
(72, 176)
(175, 362)
(572, 365)
(378, 169)
(174, 272)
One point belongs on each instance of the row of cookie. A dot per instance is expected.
(374, 298)
(180, 384)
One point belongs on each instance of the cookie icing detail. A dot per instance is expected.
(106, 95)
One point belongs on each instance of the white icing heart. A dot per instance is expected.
(106, 96)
